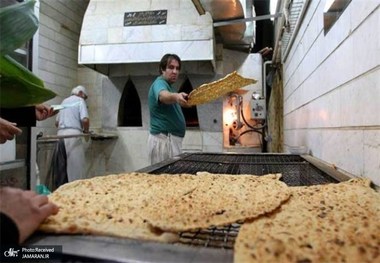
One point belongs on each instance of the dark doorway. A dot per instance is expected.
(264, 28)
(129, 107)
(191, 115)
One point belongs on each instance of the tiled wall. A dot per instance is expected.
(57, 65)
(332, 89)
(55, 61)
(105, 38)
(55, 53)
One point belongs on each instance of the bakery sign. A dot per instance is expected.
(143, 18)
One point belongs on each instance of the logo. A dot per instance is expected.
(11, 253)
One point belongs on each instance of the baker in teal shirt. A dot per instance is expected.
(167, 122)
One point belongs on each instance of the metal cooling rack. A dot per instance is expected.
(295, 170)
(214, 237)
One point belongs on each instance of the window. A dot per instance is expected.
(23, 55)
(331, 13)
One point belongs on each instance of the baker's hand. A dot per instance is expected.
(8, 130)
(182, 99)
(44, 111)
(26, 208)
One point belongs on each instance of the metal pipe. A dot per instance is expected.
(243, 20)
(54, 137)
(280, 30)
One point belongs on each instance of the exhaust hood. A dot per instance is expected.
(142, 31)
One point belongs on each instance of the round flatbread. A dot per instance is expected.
(213, 90)
(322, 223)
(216, 200)
(108, 205)
(157, 207)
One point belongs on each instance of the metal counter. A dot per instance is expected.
(77, 248)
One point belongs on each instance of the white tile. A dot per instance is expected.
(344, 149)
(360, 101)
(167, 4)
(166, 33)
(212, 138)
(140, 34)
(192, 138)
(94, 36)
(115, 35)
(366, 45)
(372, 155)
(362, 11)
(192, 32)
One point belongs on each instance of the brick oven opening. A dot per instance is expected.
(191, 115)
(129, 114)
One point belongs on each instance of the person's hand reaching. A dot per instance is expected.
(182, 99)
(44, 111)
(26, 208)
(8, 130)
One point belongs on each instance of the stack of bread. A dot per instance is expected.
(322, 223)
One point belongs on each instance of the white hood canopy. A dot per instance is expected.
(142, 31)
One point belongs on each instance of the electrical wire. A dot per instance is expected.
(260, 130)
(250, 126)
(246, 131)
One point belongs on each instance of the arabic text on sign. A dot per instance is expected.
(157, 17)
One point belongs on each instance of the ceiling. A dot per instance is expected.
(234, 23)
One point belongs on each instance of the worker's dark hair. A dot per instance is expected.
(165, 60)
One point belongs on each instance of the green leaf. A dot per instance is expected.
(10, 67)
(18, 24)
(19, 87)
(17, 92)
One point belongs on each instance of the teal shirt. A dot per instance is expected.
(165, 118)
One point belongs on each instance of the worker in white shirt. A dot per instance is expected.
(73, 119)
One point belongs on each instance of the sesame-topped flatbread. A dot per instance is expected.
(217, 200)
(321, 223)
(157, 207)
(109, 205)
(213, 90)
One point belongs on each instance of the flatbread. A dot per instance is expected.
(120, 205)
(217, 200)
(213, 90)
(322, 223)
(109, 205)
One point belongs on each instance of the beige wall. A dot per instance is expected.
(55, 54)
(332, 89)
(55, 61)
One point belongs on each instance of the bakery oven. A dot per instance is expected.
(244, 120)
(214, 244)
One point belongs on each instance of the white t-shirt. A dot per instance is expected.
(72, 116)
